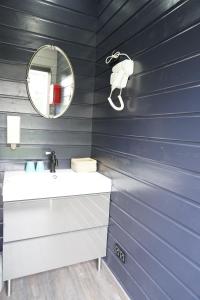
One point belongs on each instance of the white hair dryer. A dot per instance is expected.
(119, 77)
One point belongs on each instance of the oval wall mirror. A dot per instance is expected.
(50, 81)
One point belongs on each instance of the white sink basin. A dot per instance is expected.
(19, 185)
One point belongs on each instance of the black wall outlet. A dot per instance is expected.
(120, 253)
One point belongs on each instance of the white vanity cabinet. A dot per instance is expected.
(41, 234)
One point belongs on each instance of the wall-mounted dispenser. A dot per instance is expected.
(13, 131)
(119, 77)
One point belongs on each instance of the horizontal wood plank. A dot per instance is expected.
(56, 14)
(43, 27)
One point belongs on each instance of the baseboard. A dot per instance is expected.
(115, 279)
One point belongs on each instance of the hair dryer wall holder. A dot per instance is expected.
(119, 76)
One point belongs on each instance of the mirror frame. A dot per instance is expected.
(27, 78)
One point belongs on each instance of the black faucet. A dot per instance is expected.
(53, 161)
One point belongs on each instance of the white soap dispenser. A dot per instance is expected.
(13, 131)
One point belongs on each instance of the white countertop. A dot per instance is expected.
(20, 185)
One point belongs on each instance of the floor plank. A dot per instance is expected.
(77, 282)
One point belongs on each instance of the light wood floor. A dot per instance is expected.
(77, 282)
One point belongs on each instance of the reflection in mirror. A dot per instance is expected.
(50, 81)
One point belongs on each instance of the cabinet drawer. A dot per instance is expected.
(41, 217)
(36, 255)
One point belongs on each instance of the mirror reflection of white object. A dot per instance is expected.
(68, 87)
(39, 89)
(119, 77)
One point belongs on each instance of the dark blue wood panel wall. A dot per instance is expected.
(25, 26)
(151, 149)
